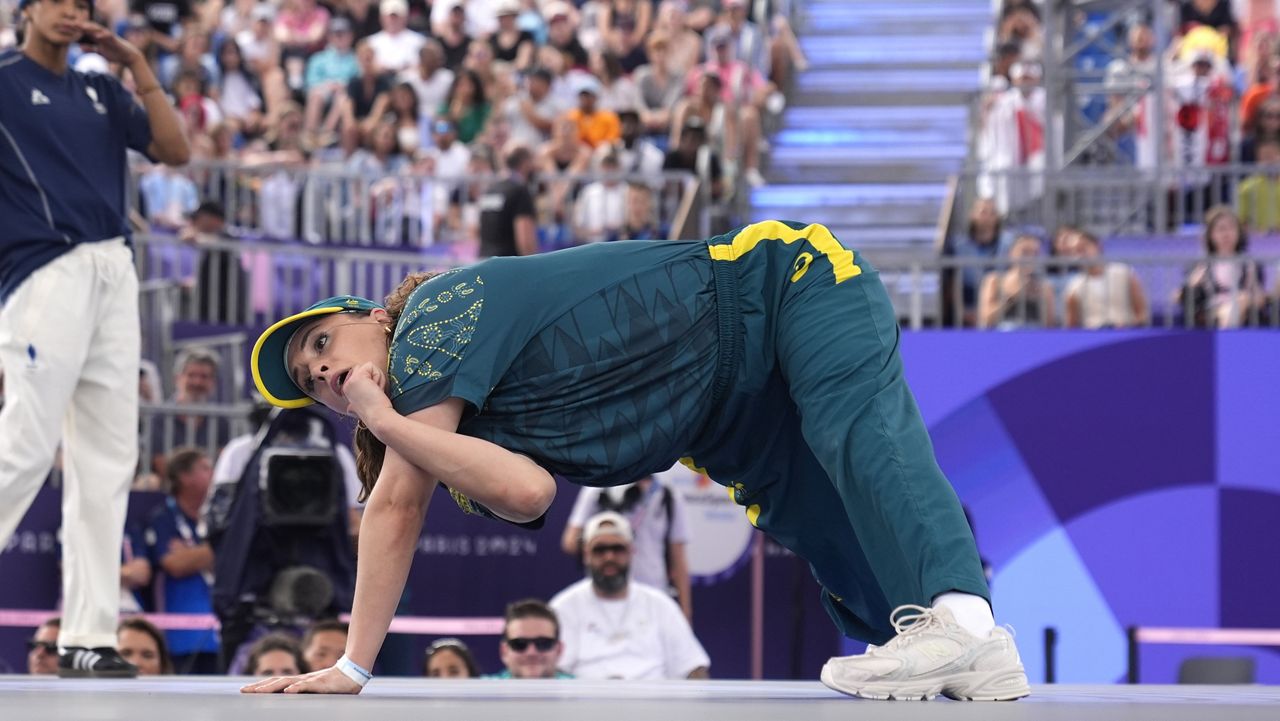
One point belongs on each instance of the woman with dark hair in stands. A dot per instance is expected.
(466, 105)
(238, 92)
(1226, 289)
(450, 658)
(276, 654)
(143, 645)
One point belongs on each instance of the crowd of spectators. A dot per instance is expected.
(1220, 101)
(1220, 149)
(446, 90)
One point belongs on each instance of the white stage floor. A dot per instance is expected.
(26, 698)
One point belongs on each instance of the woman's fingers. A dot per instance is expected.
(269, 685)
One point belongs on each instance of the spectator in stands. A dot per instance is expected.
(300, 28)
(1210, 13)
(193, 55)
(1262, 88)
(744, 90)
(562, 33)
(531, 645)
(42, 648)
(238, 93)
(660, 89)
(676, 25)
(748, 41)
(733, 132)
(462, 217)
(1201, 123)
(636, 154)
(450, 658)
(196, 383)
(642, 221)
(364, 17)
(324, 643)
(1018, 297)
(984, 237)
(276, 654)
(1133, 122)
(222, 284)
(566, 154)
(430, 79)
(617, 89)
(595, 124)
(262, 55)
(659, 521)
(1011, 147)
(1102, 294)
(532, 110)
(623, 26)
(396, 47)
(613, 628)
(1226, 289)
(402, 112)
(508, 217)
(692, 153)
(167, 19)
(466, 107)
(178, 549)
(511, 44)
(450, 158)
(1265, 129)
(235, 17)
(329, 72)
(453, 36)
(367, 93)
(142, 644)
(1020, 23)
(199, 111)
(168, 197)
(1259, 195)
(601, 210)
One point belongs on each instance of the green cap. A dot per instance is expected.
(271, 368)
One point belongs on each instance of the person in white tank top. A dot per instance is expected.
(1104, 295)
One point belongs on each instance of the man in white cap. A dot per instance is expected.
(613, 628)
(396, 47)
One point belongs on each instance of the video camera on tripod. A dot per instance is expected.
(282, 550)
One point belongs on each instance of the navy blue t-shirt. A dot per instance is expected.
(62, 162)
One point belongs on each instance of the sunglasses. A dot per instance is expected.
(604, 550)
(46, 646)
(542, 643)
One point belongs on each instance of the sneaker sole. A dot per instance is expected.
(76, 673)
(1008, 685)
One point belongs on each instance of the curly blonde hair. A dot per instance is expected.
(370, 452)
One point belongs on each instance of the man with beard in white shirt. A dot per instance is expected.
(613, 627)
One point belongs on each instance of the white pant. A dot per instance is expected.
(70, 347)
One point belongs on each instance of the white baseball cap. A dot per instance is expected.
(607, 523)
(394, 7)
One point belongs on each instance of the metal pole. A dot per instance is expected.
(757, 607)
(1132, 633)
(1158, 121)
(1050, 654)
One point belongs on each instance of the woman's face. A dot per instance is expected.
(447, 663)
(322, 354)
(1025, 249)
(277, 663)
(401, 99)
(1225, 236)
(230, 55)
(1269, 117)
(139, 649)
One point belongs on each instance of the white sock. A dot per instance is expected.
(973, 613)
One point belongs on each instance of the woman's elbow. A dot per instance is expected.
(533, 499)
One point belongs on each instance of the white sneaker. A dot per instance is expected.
(932, 655)
(753, 177)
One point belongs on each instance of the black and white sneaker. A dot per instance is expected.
(103, 662)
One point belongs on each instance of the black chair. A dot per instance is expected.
(1217, 670)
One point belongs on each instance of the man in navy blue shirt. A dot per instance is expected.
(69, 336)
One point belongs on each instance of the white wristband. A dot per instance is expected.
(353, 671)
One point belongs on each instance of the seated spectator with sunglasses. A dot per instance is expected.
(42, 649)
(531, 644)
(613, 628)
